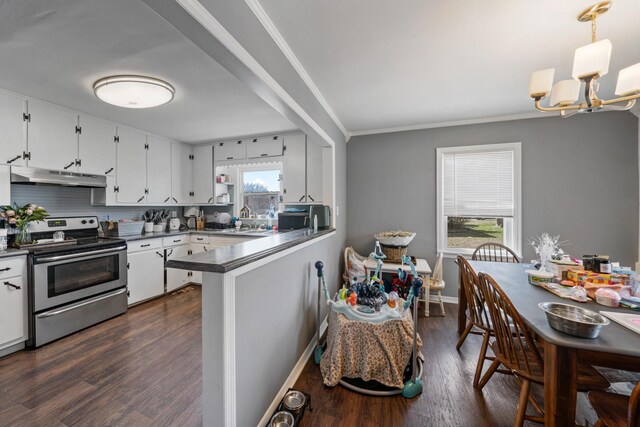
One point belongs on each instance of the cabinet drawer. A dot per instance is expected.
(144, 245)
(175, 240)
(198, 238)
(12, 267)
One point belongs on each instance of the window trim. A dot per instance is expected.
(441, 226)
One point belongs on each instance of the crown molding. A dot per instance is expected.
(270, 27)
(451, 123)
(217, 30)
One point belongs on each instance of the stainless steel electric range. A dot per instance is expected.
(74, 283)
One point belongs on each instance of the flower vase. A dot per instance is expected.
(23, 235)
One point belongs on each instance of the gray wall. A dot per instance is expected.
(579, 180)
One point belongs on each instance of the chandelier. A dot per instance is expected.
(589, 64)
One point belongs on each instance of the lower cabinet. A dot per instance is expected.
(177, 278)
(13, 301)
(146, 270)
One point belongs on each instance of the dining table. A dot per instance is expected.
(616, 346)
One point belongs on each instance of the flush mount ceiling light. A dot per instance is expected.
(589, 64)
(133, 91)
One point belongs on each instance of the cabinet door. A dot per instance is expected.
(51, 137)
(12, 123)
(293, 169)
(5, 185)
(158, 163)
(231, 150)
(97, 146)
(175, 277)
(264, 147)
(181, 173)
(13, 305)
(202, 174)
(146, 275)
(131, 166)
(196, 248)
(314, 172)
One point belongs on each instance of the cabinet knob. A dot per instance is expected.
(5, 269)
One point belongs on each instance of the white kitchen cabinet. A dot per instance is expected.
(158, 164)
(52, 138)
(5, 185)
(293, 169)
(314, 172)
(264, 147)
(13, 301)
(181, 173)
(202, 175)
(196, 248)
(12, 137)
(97, 146)
(177, 278)
(131, 158)
(230, 150)
(146, 273)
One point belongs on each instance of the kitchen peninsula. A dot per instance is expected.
(258, 319)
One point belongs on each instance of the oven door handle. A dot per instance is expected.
(81, 304)
(81, 255)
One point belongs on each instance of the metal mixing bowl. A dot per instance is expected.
(282, 419)
(573, 320)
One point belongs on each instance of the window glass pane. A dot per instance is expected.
(261, 181)
(469, 233)
(259, 203)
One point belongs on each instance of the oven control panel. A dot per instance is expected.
(64, 223)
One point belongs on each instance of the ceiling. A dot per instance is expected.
(388, 64)
(55, 50)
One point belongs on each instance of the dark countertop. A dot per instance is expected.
(13, 252)
(161, 234)
(613, 338)
(222, 260)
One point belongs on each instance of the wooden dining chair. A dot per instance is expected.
(516, 349)
(477, 315)
(494, 252)
(615, 410)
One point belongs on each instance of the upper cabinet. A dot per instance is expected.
(12, 137)
(293, 169)
(97, 146)
(5, 185)
(131, 159)
(231, 150)
(314, 172)
(158, 165)
(202, 192)
(264, 147)
(181, 173)
(52, 137)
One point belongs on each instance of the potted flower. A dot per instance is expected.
(20, 217)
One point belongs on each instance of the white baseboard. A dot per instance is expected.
(293, 376)
(449, 300)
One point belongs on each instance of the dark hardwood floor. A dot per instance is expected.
(139, 369)
(144, 369)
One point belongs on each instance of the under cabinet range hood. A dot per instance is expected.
(24, 175)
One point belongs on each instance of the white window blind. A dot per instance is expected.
(478, 184)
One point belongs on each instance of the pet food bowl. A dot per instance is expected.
(294, 400)
(573, 320)
(282, 419)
